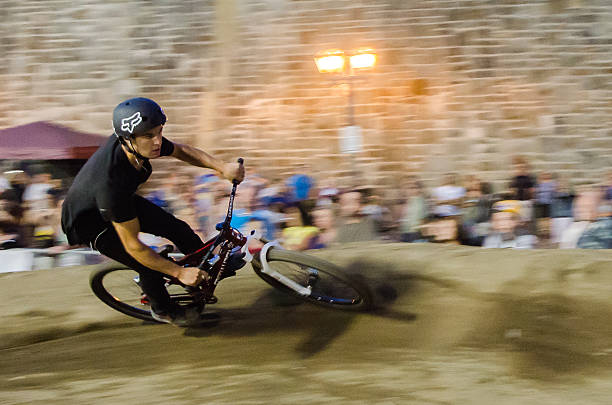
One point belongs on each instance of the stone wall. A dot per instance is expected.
(459, 86)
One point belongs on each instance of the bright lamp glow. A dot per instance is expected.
(330, 61)
(363, 60)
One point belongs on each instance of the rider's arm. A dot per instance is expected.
(198, 157)
(128, 233)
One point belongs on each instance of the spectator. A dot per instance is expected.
(300, 184)
(18, 181)
(298, 231)
(328, 193)
(44, 230)
(323, 218)
(9, 226)
(374, 209)
(35, 193)
(443, 229)
(353, 225)
(523, 189)
(560, 211)
(414, 212)
(13, 210)
(448, 197)
(522, 184)
(268, 213)
(584, 209)
(44, 223)
(251, 214)
(505, 227)
(544, 191)
(476, 212)
(598, 234)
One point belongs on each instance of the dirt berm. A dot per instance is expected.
(454, 325)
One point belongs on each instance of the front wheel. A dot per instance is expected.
(313, 280)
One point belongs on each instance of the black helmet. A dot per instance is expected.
(137, 116)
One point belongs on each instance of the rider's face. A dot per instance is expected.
(149, 143)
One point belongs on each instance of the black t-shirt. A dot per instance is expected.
(103, 191)
(522, 184)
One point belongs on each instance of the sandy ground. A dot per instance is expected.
(455, 325)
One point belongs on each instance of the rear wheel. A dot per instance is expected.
(117, 286)
(314, 280)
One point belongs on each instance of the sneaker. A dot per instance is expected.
(184, 317)
(163, 317)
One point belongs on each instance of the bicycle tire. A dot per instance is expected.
(97, 284)
(362, 300)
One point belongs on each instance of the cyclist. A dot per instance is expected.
(103, 210)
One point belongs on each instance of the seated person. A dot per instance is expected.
(10, 225)
(353, 225)
(506, 230)
(584, 212)
(323, 218)
(298, 231)
(598, 235)
(442, 229)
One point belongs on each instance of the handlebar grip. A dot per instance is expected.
(240, 162)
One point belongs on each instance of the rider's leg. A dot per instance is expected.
(157, 221)
(151, 281)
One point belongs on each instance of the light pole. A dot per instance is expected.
(347, 64)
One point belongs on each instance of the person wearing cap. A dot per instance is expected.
(103, 210)
(505, 222)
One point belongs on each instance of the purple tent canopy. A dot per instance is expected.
(46, 141)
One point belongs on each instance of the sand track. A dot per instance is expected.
(455, 325)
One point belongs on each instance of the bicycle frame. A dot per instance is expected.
(213, 263)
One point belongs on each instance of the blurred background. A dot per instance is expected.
(357, 119)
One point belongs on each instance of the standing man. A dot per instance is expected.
(103, 210)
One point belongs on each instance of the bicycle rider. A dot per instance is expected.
(103, 210)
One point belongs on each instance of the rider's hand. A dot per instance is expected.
(191, 276)
(233, 171)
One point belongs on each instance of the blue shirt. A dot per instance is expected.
(300, 185)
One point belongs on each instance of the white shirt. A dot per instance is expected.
(447, 193)
(520, 242)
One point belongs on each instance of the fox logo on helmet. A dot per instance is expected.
(128, 124)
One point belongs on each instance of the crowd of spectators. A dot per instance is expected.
(543, 211)
(30, 210)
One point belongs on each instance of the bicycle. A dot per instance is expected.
(306, 277)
